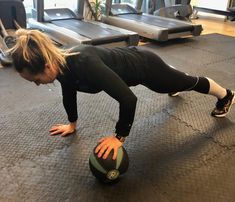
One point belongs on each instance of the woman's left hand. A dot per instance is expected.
(106, 145)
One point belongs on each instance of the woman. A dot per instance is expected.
(93, 69)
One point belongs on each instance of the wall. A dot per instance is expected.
(214, 4)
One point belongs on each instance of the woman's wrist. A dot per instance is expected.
(120, 138)
(73, 124)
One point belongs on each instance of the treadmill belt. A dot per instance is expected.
(172, 25)
(87, 29)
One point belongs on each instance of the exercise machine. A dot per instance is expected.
(12, 15)
(148, 26)
(231, 9)
(178, 9)
(6, 42)
(225, 8)
(69, 28)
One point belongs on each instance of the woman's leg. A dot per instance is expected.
(216, 89)
(162, 78)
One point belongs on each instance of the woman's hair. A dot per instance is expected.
(33, 50)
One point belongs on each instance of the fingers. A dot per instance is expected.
(56, 126)
(56, 131)
(105, 151)
(63, 134)
(100, 146)
(102, 150)
(61, 129)
(108, 150)
(106, 145)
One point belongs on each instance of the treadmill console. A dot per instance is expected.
(60, 14)
(120, 9)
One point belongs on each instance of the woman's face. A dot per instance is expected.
(48, 76)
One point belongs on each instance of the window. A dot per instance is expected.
(131, 2)
(71, 4)
(28, 4)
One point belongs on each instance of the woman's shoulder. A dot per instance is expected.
(82, 48)
(79, 56)
(79, 53)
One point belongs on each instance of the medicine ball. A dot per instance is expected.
(109, 170)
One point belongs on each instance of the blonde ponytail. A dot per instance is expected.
(34, 49)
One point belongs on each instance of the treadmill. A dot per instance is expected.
(148, 26)
(69, 29)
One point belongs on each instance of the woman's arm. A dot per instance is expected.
(106, 79)
(69, 94)
(103, 77)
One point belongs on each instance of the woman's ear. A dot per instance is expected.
(50, 69)
(47, 66)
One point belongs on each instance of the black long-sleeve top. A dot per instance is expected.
(112, 70)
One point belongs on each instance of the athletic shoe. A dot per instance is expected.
(224, 105)
(174, 94)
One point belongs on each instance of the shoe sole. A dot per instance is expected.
(223, 115)
(173, 95)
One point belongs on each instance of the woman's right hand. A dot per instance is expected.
(63, 129)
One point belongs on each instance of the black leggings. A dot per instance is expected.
(162, 78)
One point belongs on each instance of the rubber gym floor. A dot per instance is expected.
(177, 151)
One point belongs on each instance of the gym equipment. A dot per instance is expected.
(225, 8)
(10, 11)
(232, 12)
(9, 41)
(109, 170)
(148, 26)
(181, 10)
(69, 28)
(6, 42)
(232, 6)
(12, 16)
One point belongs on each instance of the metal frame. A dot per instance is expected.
(217, 12)
(158, 30)
(67, 37)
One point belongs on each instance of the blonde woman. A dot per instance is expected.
(93, 69)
